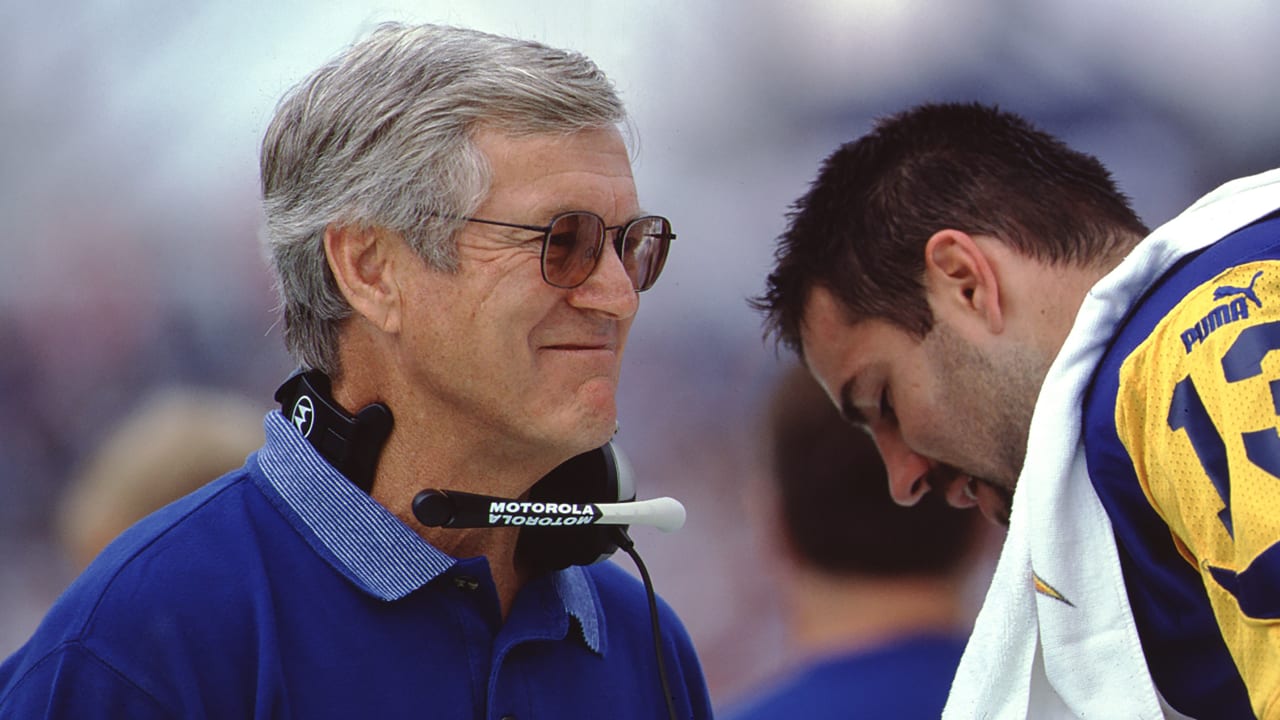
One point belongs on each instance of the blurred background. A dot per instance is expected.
(128, 197)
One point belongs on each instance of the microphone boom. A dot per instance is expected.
(457, 509)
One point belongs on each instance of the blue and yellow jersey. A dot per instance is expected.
(1182, 447)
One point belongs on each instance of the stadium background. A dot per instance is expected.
(128, 199)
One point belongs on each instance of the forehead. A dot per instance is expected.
(828, 339)
(838, 348)
(584, 170)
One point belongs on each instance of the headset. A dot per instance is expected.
(572, 516)
(351, 443)
(577, 514)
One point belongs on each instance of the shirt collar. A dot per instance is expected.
(578, 593)
(371, 546)
(363, 539)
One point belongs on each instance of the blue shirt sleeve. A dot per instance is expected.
(73, 683)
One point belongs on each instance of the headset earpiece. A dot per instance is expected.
(351, 444)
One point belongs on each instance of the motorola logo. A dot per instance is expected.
(304, 415)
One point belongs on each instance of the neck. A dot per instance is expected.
(1056, 293)
(427, 450)
(830, 615)
(1039, 299)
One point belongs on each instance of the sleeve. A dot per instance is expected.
(72, 682)
(1198, 411)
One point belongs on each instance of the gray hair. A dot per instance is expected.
(381, 136)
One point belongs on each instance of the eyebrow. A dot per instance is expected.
(561, 208)
(848, 409)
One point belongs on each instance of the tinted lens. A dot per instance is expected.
(572, 249)
(645, 242)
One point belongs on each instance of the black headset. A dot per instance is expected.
(352, 444)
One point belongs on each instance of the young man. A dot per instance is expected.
(459, 248)
(982, 299)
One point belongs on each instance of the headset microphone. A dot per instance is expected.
(576, 515)
(456, 509)
(555, 533)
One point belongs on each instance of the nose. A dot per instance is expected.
(607, 289)
(905, 468)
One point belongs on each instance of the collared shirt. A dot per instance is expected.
(281, 590)
(364, 541)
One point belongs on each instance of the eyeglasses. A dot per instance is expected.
(572, 244)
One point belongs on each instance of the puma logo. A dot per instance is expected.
(1224, 291)
(1237, 308)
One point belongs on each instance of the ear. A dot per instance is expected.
(364, 263)
(961, 281)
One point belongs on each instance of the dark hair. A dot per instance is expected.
(834, 495)
(860, 230)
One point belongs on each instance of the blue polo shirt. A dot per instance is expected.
(283, 591)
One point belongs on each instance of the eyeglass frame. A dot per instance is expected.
(546, 240)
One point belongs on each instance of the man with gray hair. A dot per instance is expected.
(459, 248)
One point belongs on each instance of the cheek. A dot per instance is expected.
(929, 421)
(920, 428)
(514, 310)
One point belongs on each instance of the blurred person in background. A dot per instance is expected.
(984, 300)
(459, 248)
(174, 442)
(873, 593)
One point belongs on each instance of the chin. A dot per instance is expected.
(596, 403)
(995, 502)
(581, 430)
(601, 430)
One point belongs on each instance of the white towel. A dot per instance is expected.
(1032, 655)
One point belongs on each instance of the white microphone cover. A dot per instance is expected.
(665, 513)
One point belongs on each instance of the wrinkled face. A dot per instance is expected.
(945, 414)
(494, 345)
